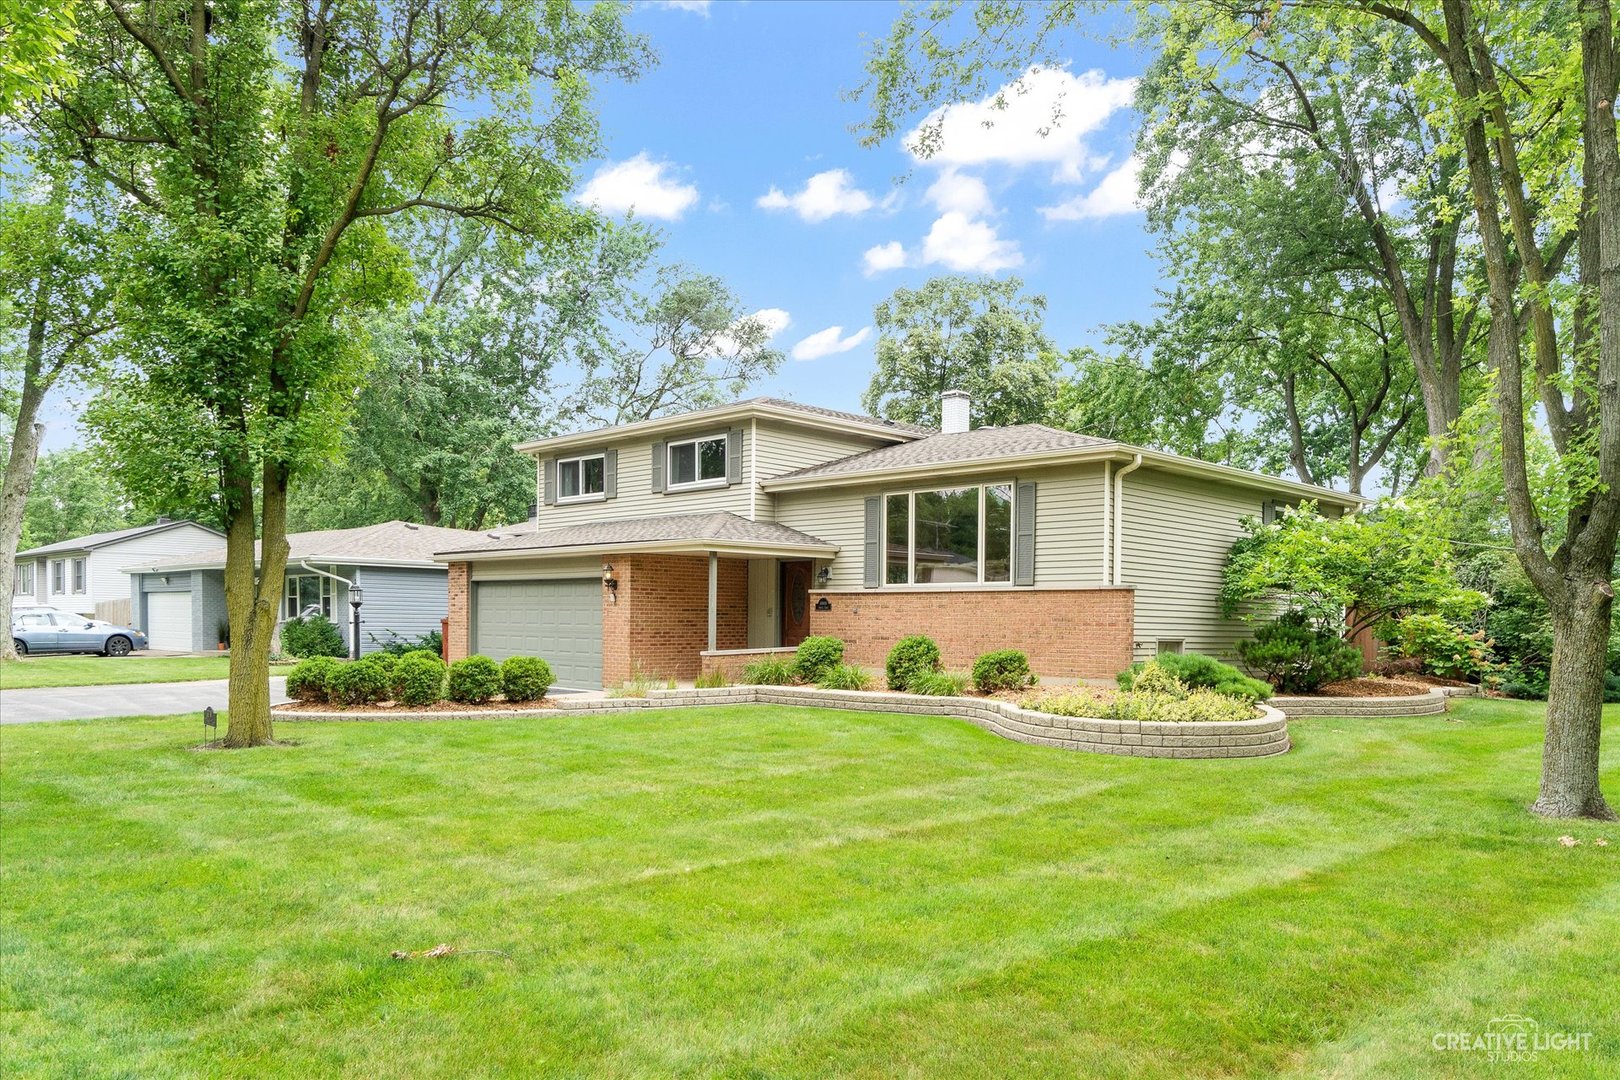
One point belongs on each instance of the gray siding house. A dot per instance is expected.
(180, 601)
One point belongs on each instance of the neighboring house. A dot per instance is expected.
(693, 542)
(86, 574)
(180, 602)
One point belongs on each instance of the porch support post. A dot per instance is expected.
(714, 599)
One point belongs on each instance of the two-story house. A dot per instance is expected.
(697, 541)
(86, 574)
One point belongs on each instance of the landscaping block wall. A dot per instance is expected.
(1068, 633)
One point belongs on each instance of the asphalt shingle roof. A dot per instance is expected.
(838, 414)
(980, 444)
(389, 542)
(100, 539)
(720, 526)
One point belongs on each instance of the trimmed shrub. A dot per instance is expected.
(1155, 678)
(1441, 648)
(473, 680)
(314, 636)
(816, 655)
(1004, 669)
(942, 684)
(771, 671)
(525, 678)
(419, 679)
(1296, 658)
(845, 677)
(307, 680)
(711, 680)
(1198, 672)
(360, 682)
(911, 657)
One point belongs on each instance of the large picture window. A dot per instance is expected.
(698, 461)
(949, 536)
(581, 478)
(306, 591)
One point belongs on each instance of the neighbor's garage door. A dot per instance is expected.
(168, 621)
(560, 621)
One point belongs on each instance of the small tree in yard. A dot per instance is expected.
(1372, 566)
(260, 152)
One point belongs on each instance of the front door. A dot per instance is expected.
(795, 603)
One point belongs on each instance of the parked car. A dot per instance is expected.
(42, 609)
(41, 632)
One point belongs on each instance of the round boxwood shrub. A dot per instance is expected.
(1004, 669)
(525, 678)
(816, 656)
(314, 636)
(307, 680)
(474, 680)
(911, 656)
(418, 679)
(360, 682)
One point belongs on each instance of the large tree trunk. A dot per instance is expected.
(252, 594)
(1569, 761)
(21, 460)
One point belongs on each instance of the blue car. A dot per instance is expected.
(39, 632)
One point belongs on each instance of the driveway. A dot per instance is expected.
(142, 699)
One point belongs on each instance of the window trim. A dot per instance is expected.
(29, 568)
(670, 483)
(580, 459)
(910, 495)
(58, 577)
(79, 576)
(328, 600)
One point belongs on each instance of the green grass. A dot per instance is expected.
(758, 892)
(36, 671)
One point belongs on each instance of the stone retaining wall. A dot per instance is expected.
(1427, 704)
(1263, 736)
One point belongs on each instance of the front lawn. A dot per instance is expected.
(776, 892)
(34, 671)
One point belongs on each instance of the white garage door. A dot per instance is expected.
(168, 620)
(560, 621)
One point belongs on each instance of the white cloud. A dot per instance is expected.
(960, 192)
(773, 319)
(1114, 194)
(890, 256)
(1042, 116)
(826, 194)
(963, 244)
(695, 7)
(829, 342)
(648, 187)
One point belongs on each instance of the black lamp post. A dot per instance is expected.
(355, 597)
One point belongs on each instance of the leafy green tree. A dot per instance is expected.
(981, 335)
(74, 493)
(34, 37)
(53, 295)
(262, 151)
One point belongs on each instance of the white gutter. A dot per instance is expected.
(1119, 517)
(676, 547)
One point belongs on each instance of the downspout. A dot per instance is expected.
(354, 607)
(753, 469)
(1107, 519)
(1119, 517)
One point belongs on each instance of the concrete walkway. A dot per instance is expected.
(140, 699)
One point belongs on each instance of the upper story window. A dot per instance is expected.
(697, 461)
(81, 575)
(58, 576)
(949, 536)
(582, 478)
(23, 583)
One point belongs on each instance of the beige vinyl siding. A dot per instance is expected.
(636, 499)
(782, 448)
(1068, 523)
(517, 569)
(1178, 530)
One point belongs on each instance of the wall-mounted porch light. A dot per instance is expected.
(610, 583)
(822, 576)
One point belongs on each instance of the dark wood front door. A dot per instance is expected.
(795, 602)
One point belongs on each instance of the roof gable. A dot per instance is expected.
(92, 541)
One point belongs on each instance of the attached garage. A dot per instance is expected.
(168, 621)
(558, 619)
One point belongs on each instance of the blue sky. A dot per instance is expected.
(738, 148)
(746, 105)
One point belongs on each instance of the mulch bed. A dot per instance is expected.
(391, 707)
(1371, 686)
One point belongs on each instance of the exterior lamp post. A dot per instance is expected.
(355, 597)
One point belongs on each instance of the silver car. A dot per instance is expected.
(38, 632)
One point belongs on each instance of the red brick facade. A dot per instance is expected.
(660, 622)
(459, 625)
(1068, 633)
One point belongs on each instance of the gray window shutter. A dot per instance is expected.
(610, 474)
(1024, 535)
(734, 455)
(550, 471)
(874, 541)
(658, 466)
